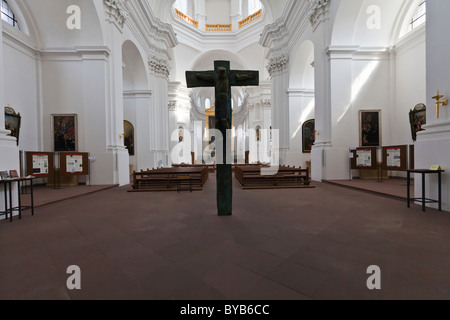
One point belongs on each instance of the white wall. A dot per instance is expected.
(410, 84)
(184, 57)
(301, 109)
(218, 11)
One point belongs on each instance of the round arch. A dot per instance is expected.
(364, 23)
(134, 70)
(53, 33)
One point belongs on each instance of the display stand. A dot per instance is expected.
(424, 201)
(74, 164)
(41, 165)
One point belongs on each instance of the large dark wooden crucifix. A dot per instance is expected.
(222, 78)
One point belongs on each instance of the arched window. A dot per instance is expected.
(8, 15)
(420, 16)
(185, 6)
(207, 103)
(254, 6)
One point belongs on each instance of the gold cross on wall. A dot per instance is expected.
(439, 103)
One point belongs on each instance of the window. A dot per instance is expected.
(182, 5)
(8, 15)
(185, 6)
(207, 103)
(420, 16)
(254, 6)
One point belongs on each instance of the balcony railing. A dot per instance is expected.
(186, 18)
(250, 19)
(218, 27)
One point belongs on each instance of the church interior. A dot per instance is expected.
(337, 135)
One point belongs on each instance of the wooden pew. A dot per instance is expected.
(169, 179)
(211, 167)
(250, 177)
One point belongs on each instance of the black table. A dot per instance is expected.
(9, 209)
(425, 200)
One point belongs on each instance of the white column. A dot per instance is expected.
(279, 73)
(323, 110)
(117, 153)
(159, 116)
(9, 152)
(200, 13)
(236, 13)
(4, 139)
(2, 103)
(433, 144)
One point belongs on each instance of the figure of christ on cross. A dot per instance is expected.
(222, 78)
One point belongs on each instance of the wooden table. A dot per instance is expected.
(425, 200)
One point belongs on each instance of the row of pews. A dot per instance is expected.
(170, 179)
(194, 178)
(250, 177)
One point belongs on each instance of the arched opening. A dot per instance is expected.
(128, 130)
(136, 104)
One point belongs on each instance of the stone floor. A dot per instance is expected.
(279, 245)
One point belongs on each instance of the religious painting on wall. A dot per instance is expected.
(417, 119)
(128, 138)
(12, 123)
(64, 132)
(309, 137)
(258, 134)
(370, 128)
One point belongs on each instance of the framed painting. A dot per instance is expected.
(309, 137)
(64, 128)
(370, 128)
(13, 123)
(128, 139)
(417, 119)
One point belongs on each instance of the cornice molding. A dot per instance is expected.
(155, 36)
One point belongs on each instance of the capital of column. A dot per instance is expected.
(159, 67)
(278, 65)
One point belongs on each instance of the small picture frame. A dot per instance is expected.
(64, 132)
(13, 174)
(13, 123)
(4, 175)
